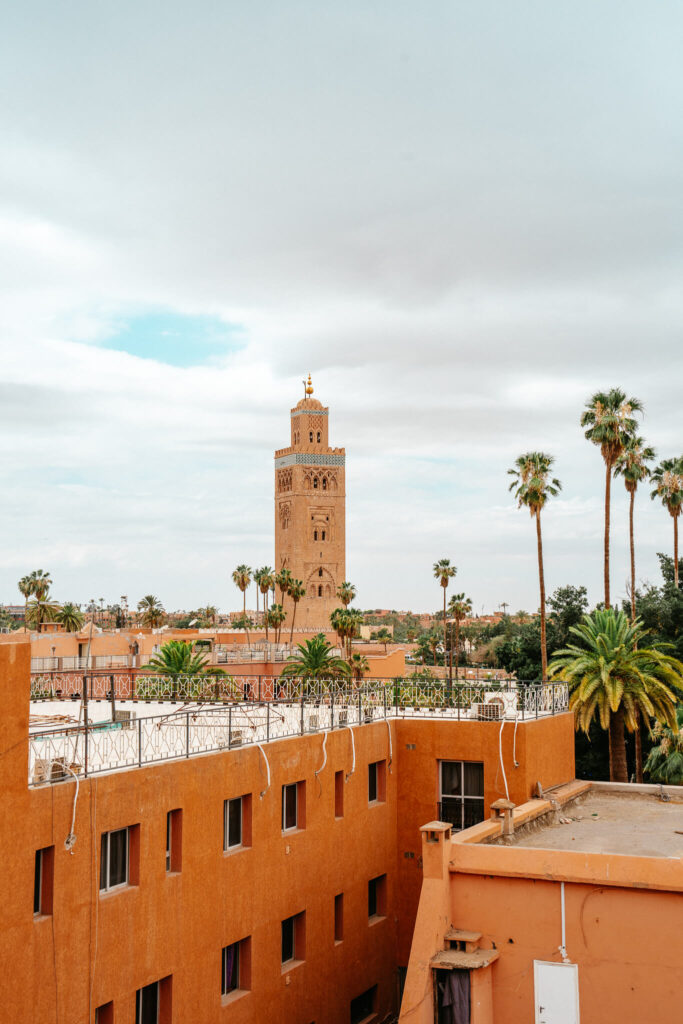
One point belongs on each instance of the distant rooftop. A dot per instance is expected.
(638, 824)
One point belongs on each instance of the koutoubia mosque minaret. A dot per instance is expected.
(310, 512)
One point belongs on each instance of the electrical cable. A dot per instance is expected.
(391, 752)
(502, 766)
(264, 791)
(353, 748)
(514, 742)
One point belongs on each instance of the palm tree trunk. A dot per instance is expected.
(541, 580)
(608, 498)
(676, 552)
(244, 616)
(457, 647)
(617, 741)
(633, 565)
(265, 612)
(291, 631)
(639, 748)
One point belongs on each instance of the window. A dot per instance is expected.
(293, 806)
(294, 938)
(320, 591)
(114, 856)
(461, 793)
(315, 535)
(105, 1014)
(315, 483)
(174, 840)
(147, 1004)
(364, 1005)
(339, 794)
(236, 967)
(43, 877)
(310, 438)
(237, 822)
(317, 437)
(323, 535)
(377, 782)
(324, 483)
(320, 572)
(339, 917)
(377, 891)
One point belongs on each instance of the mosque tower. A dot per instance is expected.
(310, 513)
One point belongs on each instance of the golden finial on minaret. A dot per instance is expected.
(309, 386)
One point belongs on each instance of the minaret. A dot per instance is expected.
(310, 513)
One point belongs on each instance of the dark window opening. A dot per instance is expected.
(174, 840)
(315, 483)
(315, 535)
(294, 938)
(320, 591)
(377, 896)
(105, 1014)
(293, 806)
(461, 791)
(320, 572)
(43, 878)
(324, 483)
(323, 535)
(377, 781)
(310, 436)
(114, 859)
(339, 917)
(339, 794)
(317, 437)
(230, 973)
(147, 1004)
(364, 1005)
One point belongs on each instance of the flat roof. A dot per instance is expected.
(635, 824)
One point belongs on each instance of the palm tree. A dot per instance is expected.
(40, 610)
(282, 580)
(296, 591)
(41, 582)
(241, 577)
(444, 572)
(632, 465)
(533, 485)
(339, 620)
(276, 616)
(266, 581)
(151, 610)
(71, 617)
(668, 480)
(382, 636)
(612, 677)
(209, 614)
(359, 665)
(315, 661)
(25, 585)
(355, 621)
(346, 592)
(665, 761)
(459, 607)
(610, 424)
(177, 658)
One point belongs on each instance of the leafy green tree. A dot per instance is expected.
(314, 660)
(151, 610)
(382, 636)
(297, 590)
(241, 577)
(568, 605)
(70, 616)
(460, 608)
(614, 679)
(665, 761)
(346, 592)
(533, 485)
(632, 465)
(610, 424)
(668, 480)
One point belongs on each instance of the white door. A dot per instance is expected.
(556, 990)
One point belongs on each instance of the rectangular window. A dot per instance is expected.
(377, 889)
(153, 1002)
(43, 875)
(377, 781)
(105, 1014)
(114, 859)
(237, 822)
(293, 806)
(339, 917)
(364, 1005)
(461, 793)
(174, 840)
(236, 967)
(339, 794)
(294, 938)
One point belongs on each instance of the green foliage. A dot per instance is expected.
(177, 658)
(70, 616)
(314, 660)
(151, 610)
(665, 761)
(532, 482)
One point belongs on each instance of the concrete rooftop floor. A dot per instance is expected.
(638, 825)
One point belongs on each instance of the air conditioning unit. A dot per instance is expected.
(343, 717)
(313, 723)
(236, 738)
(491, 712)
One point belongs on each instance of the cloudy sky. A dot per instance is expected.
(462, 218)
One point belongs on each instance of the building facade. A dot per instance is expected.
(310, 512)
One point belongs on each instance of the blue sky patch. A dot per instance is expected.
(175, 338)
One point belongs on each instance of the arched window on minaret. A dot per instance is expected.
(320, 591)
(324, 483)
(315, 535)
(323, 535)
(317, 437)
(315, 483)
(320, 572)
(310, 436)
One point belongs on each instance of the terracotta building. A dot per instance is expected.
(310, 511)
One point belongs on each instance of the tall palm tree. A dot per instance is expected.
(241, 577)
(71, 617)
(613, 678)
(346, 593)
(632, 465)
(339, 620)
(41, 582)
(315, 661)
(533, 485)
(668, 480)
(444, 573)
(276, 616)
(459, 607)
(296, 591)
(266, 581)
(355, 621)
(40, 610)
(609, 422)
(25, 585)
(151, 610)
(282, 580)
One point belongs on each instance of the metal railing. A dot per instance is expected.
(296, 707)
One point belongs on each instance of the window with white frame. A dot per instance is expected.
(147, 1004)
(290, 807)
(461, 793)
(114, 858)
(235, 968)
(232, 823)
